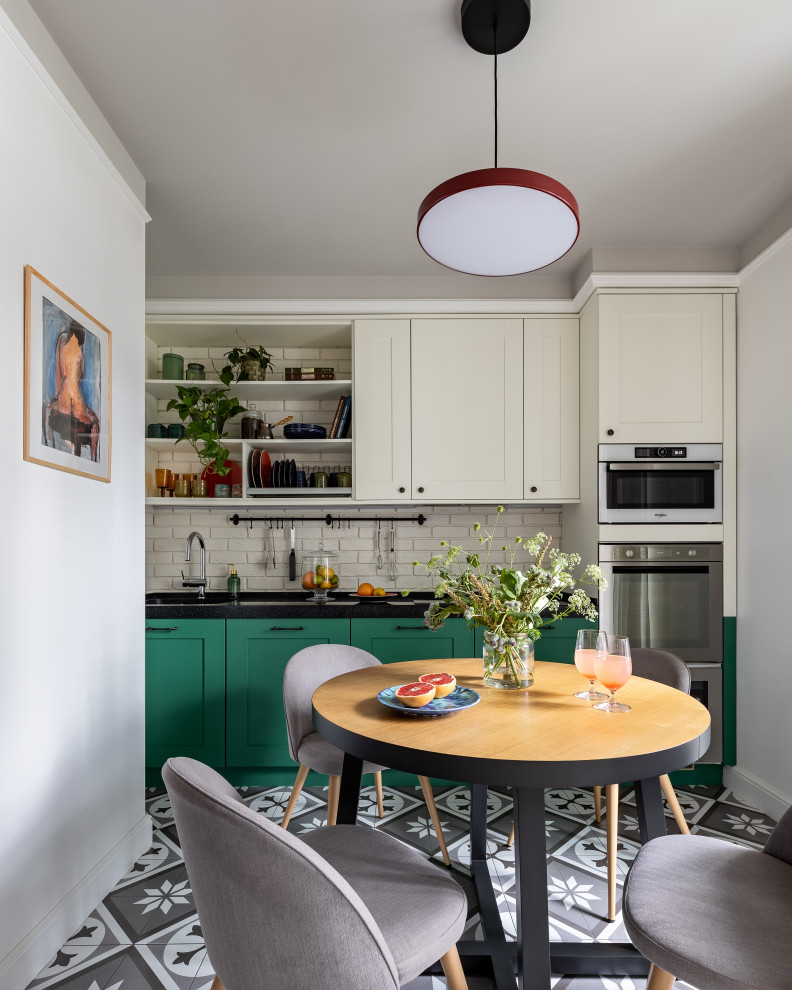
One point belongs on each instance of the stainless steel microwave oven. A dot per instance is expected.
(676, 483)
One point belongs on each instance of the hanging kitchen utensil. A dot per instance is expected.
(267, 428)
(379, 545)
(292, 558)
(392, 562)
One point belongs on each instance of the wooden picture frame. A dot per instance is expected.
(67, 396)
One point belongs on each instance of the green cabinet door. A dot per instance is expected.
(257, 650)
(185, 690)
(557, 642)
(391, 640)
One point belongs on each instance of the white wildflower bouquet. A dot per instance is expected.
(504, 600)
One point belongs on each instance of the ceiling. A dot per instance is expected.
(297, 138)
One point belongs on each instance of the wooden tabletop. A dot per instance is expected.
(542, 735)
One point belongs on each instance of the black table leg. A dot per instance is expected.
(349, 794)
(649, 805)
(530, 862)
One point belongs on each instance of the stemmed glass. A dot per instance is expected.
(613, 670)
(590, 644)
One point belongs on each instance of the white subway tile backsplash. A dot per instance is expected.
(227, 544)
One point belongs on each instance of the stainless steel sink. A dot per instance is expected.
(213, 598)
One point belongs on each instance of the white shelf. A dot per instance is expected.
(276, 390)
(272, 446)
(280, 496)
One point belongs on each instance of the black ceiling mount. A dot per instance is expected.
(495, 26)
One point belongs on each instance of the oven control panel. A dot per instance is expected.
(657, 452)
(690, 552)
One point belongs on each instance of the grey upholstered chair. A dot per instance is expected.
(303, 674)
(714, 914)
(665, 668)
(347, 908)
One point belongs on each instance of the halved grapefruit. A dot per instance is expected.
(444, 683)
(415, 695)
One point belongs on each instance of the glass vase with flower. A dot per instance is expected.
(512, 603)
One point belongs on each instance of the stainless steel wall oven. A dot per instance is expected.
(677, 483)
(669, 596)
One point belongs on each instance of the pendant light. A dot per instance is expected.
(497, 221)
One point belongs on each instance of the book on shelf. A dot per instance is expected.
(345, 420)
(310, 374)
(337, 416)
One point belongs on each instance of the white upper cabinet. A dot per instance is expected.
(551, 409)
(381, 409)
(467, 409)
(661, 368)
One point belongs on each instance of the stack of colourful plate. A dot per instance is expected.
(304, 431)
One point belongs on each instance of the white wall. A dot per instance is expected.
(764, 545)
(71, 671)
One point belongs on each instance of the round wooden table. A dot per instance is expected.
(528, 740)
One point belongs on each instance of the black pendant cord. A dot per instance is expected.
(495, 33)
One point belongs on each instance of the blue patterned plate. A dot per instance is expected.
(460, 697)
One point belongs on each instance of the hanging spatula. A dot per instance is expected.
(292, 558)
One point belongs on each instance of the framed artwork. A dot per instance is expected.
(67, 383)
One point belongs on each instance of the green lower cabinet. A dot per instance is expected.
(392, 640)
(185, 690)
(257, 651)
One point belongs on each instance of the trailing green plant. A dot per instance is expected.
(233, 371)
(204, 413)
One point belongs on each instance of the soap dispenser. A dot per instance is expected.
(234, 582)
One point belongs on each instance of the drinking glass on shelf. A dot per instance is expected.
(590, 644)
(613, 671)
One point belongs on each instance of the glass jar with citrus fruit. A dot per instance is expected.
(319, 573)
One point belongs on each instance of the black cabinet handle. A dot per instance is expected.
(534, 488)
(412, 627)
(161, 628)
(401, 490)
(286, 629)
(420, 491)
(611, 432)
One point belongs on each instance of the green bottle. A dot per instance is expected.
(234, 582)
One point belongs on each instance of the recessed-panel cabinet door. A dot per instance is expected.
(381, 409)
(185, 690)
(257, 653)
(661, 368)
(467, 409)
(552, 403)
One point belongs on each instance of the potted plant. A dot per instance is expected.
(510, 604)
(246, 364)
(207, 412)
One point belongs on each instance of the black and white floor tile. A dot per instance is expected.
(145, 935)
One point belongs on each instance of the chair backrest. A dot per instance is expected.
(303, 674)
(661, 666)
(273, 912)
(780, 842)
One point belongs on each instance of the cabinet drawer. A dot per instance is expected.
(257, 651)
(392, 640)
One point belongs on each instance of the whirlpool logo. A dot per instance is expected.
(660, 515)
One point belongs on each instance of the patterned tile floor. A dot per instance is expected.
(145, 934)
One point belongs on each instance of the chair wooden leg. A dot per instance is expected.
(432, 807)
(378, 786)
(510, 840)
(302, 773)
(658, 979)
(597, 803)
(217, 984)
(673, 804)
(452, 967)
(332, 799)
(612, 813)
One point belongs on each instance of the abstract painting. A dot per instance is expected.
(67, 383)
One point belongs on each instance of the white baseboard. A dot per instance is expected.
(33, 952)
(756, 792)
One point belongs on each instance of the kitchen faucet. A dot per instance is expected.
(200, 581)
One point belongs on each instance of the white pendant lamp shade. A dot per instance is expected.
(498, 221)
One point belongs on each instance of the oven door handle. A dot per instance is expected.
(664, 466)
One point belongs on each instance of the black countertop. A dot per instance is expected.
(282, 605)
